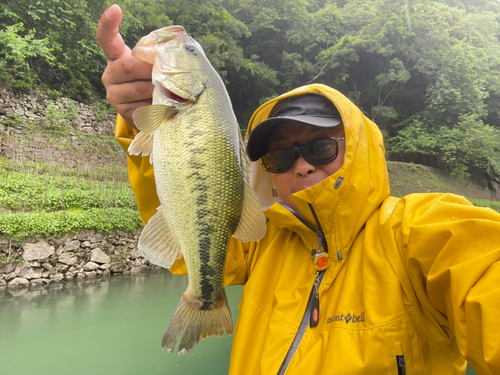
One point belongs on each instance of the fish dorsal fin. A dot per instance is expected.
(142, 144)
(252, 226)
(148, 119)
(157, 243)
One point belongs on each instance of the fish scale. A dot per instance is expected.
(201, 177)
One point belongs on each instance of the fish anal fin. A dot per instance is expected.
(148, 119)
(157, 242)
(252, 225)
(142, 144)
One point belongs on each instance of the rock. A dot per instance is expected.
(96, 238)
(139, 269)
(18, 281)
(31, 273)
(104, 266)
(80, 275)
(47, 266)
(39, 281)
(67, 258)
(8, 268)
(86, 244)
(71, 246)
(61, 267)
(90, 266)
(134, 254)
(106, 273)
(21, 266)
(3, 283)
(115, 268)
(56, 278)
(37, 250)
(10, 276)
(91, 274)
(34, 263)
(89, 130)
(99, 256)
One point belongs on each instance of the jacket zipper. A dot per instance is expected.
(313, 301)
(303, 324)
(401, 364)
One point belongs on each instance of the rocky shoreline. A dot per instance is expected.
(84, 256)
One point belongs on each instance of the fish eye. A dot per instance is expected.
(191, 48)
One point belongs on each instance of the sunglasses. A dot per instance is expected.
(317, 152)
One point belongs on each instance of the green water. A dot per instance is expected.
(106, 326)
(110, 326)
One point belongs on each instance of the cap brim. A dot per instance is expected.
(259, 137)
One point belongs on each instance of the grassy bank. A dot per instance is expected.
(408, 178)
(39, 200)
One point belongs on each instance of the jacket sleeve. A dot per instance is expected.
(143, 184)
(452, 255)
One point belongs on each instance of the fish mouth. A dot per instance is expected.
(171, 95)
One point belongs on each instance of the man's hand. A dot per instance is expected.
(126, 78)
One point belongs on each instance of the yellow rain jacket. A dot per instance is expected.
(413, 284)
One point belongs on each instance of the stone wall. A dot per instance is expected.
(84, 256)
(33, 109)
(27, 140)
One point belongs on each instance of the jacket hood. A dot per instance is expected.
(344, 201)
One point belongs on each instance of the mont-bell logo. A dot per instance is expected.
(348, 318)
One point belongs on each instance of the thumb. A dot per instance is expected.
(108, 34)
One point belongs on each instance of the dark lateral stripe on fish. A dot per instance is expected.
(206, 271)
(196, 164)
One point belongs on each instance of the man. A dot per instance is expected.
(347, 279)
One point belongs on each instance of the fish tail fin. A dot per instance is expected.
(192, 321)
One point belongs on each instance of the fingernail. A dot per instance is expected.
(111, 14)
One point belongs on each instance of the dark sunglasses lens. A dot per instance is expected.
(321, 151)
(278, 161)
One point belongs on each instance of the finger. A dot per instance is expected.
(129, 92)
(127, 110)
(127, 69)
(108, 34)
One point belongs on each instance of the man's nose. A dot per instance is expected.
(302, 167)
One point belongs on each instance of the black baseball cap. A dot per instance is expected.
(310, 109)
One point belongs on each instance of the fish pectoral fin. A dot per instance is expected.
(157, 242)
(142, 144)
(252, 226)
(148, 119)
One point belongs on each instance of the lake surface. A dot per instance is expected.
(108, 326)
(104, 326)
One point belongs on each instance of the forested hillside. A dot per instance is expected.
(427, 72)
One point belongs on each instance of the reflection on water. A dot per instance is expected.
(102, 326)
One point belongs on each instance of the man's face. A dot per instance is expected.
(303, 175)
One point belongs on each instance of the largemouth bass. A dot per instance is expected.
(201, 173)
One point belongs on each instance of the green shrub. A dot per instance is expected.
(24, 226)
(45, 192)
